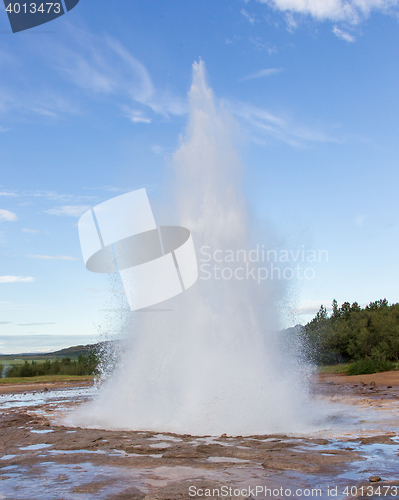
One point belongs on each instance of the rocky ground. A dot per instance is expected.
(42, 460)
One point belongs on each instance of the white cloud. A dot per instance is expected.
(352, 11)
(54, 196)
(8, 216)
(52, 257)
(291, 22)
(248, 17)
(7, 193)
(113, 189)
(47, 195)
(36, 324)
(16, 279)
(261, 74)
(259, 44)
(158, 150)
(263, 125)
(343, 35)
(103, 66)
(99, 64)
(39, 101)
(136, 116)
(359, 220)
(30, 231)
(312, 307)
(69, 210)
(39, 343)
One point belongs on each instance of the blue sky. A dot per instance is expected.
(93, 103)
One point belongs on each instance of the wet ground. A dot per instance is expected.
(41, 459)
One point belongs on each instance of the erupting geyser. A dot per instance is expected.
(213, 362)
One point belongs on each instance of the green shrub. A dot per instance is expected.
(85, 365)
(365, 366)
(352, 333)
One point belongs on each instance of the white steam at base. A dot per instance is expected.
(213, 364)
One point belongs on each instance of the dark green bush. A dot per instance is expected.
(365, 366)
(352, 333)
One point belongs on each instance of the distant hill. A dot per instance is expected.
(73, 352)
(69, 352)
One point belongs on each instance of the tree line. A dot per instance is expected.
(354, 334)
(84, 365)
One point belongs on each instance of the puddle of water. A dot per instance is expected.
(164, 437)
(378, 459)
(160, 445)
(227, 459)
(213, 440)
(70, 482)
(7, 457)
(347, 417)
(39, 446)
(42, 432)
(54, 396)
(381, 459)
(72, 452)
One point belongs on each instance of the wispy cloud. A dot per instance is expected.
(30, 231)
(8, 193)
(36, 324)
(69, 210)
(359, 220)
(259, 44)
(16, 279)
(263, 126)
(136, 116)
(157, 149)
(248, 17)
(261, 74)
(100, 65)
(343, 35)
(55, 196)
(352, 11)
(39, 343)
(8, 216)
(41, 101)
(47, 195)
(104, 67)
(311, 307)
(113, 189)
(5, 322)
(52, 257)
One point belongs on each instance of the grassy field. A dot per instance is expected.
(358, 368)
(334, 369)
(46, 379)
(11, 360)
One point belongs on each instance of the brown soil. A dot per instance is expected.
(380, 379)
